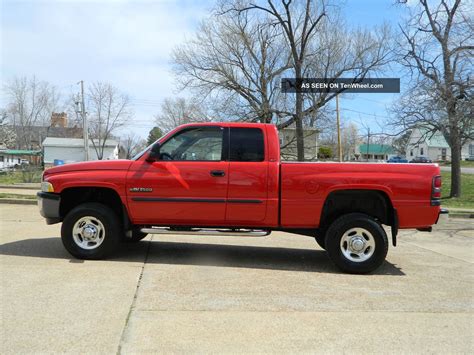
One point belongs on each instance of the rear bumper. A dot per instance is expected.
(48, 204)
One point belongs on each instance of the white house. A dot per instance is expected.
(288, 143)
(71, 150)
(434, 146)
(15, 158)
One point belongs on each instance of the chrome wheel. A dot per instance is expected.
(88, 232)
(357, 244)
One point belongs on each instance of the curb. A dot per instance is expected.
(18, 201)
(461, 215)
(459, 212)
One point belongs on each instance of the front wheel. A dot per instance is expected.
(356, 243)
(320, 238)
(91, 231)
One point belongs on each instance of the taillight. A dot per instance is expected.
(436, 188)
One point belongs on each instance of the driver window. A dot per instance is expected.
(200, 143)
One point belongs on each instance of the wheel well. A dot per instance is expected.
(75, 196)
(374, 203)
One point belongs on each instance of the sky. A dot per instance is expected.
(128, 43)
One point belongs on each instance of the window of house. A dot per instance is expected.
(1, 158)
(471, 149)
(246, 144)
(443, 154)
(411, 152)
(421, 151)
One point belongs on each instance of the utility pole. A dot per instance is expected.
(368, 142)
(84, 123)
(339, 148)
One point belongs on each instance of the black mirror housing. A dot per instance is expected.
(154, 154)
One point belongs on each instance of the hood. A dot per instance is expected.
(120, 164)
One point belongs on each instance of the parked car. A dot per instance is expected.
(421, 160)
(397, 160)
(470, 158)
(227, 179)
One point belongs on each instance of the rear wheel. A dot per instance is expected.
(91, 231)
(356, 243)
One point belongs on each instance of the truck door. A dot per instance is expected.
(187, 186)
(248, 174)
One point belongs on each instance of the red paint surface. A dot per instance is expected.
(304, 187)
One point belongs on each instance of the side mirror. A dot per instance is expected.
(154, 154)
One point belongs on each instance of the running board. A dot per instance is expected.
(203, 231)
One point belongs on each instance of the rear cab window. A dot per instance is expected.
(246, 144)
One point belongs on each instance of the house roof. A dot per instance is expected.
(433, 140)
(376, 149)
(45, 131)
(20, 152)
(74, 142)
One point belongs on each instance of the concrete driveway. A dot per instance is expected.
(232, 295)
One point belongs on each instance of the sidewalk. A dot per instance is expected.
(455, 212)
(18, 191)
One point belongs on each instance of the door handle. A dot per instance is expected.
(217, 173)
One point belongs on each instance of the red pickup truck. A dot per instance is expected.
(227, 178)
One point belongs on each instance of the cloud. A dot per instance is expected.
(127, 43)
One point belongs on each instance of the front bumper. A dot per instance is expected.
(48, 204)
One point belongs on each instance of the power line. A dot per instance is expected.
(366, 113)
(372, 100)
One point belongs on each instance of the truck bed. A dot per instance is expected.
(408, 186)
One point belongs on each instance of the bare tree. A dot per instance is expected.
(350, 140)
(7, 135)
(239, 56)
(178, 111)
(108, 110)
(132, 144)
(340, 52)
(400, 143)
(299, 23)
(31, 103)
(234, 61)
(438, 51)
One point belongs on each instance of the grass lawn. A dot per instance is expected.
(467, 191)
(15, 177)
(8, 195)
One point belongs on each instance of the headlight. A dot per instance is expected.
(47, 187)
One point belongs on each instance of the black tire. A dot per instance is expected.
(320, 238)
(111, 232)
(373, 231)
(136, 237)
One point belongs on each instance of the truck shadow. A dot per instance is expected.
(178, 253)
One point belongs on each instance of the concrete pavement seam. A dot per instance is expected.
(448, 256)
(299, 311)
(132, 305)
